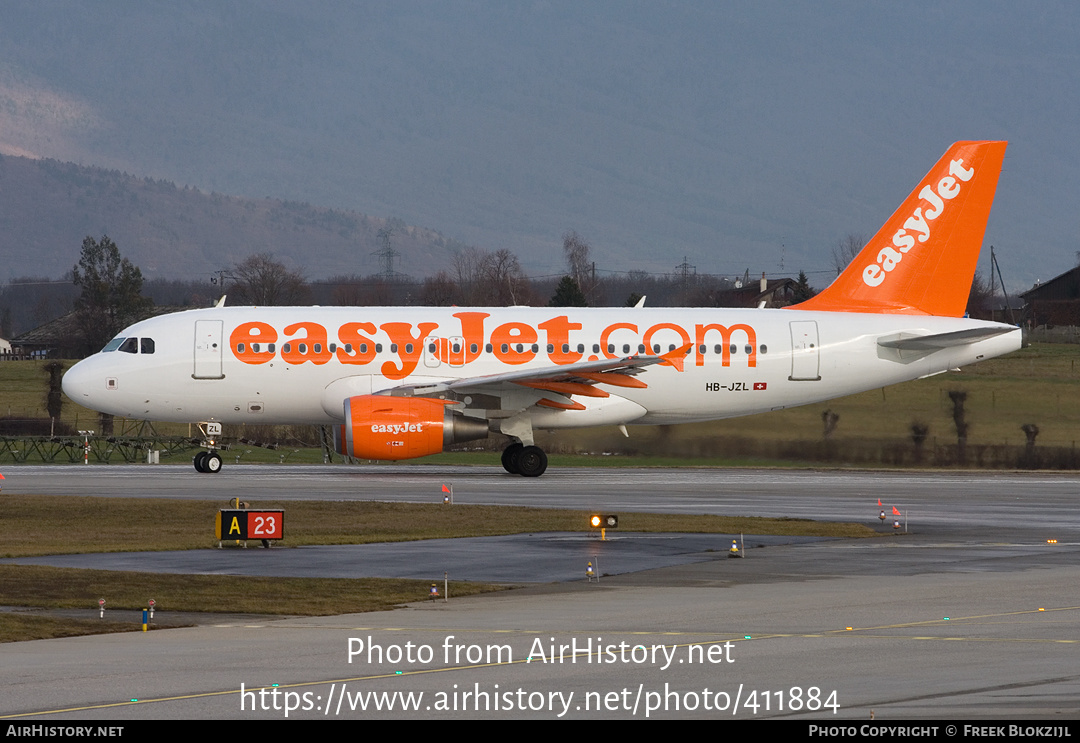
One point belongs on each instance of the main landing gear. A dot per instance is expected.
(527, 461)
(210, 460)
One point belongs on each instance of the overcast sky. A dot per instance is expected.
(740, 135)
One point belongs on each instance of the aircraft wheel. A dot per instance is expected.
(532, 462)
(200, 461)
(510, 457)
(212, 464)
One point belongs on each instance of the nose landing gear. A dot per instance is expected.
(209, 461)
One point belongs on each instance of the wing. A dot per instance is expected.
(551, 386)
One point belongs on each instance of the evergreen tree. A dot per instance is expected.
(803, 291)
(568, 294)
(111, 292)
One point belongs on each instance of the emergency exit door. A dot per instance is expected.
(805, 351)
(208, 350)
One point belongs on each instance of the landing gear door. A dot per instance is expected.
(208, 350)
(805, 360)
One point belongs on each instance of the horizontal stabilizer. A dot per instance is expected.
(943, 340)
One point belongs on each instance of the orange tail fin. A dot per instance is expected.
(923, 260)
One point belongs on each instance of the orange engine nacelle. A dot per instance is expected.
(384, 427)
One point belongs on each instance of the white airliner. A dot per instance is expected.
(404, 382)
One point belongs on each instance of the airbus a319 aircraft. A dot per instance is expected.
(404, 382)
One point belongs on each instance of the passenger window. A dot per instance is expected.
(763, 348)
(147, 345)
(131, 345)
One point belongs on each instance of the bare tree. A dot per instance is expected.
(505, 280)
(959, 397)
(830, 420)
(438, 290)
(467, 273)
(261, 280)
(494, 279)
(54, 400)
(347, 290)
(919, 432)
(846, 250)
(576, 251)
(1030, 458)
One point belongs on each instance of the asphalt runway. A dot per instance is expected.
(974, 615)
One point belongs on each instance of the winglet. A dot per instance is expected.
(677, 357)
(923, 260)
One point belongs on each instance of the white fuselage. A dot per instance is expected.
(299, 364)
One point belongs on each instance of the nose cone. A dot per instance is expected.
(80, 383)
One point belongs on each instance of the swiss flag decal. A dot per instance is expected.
(760, 385)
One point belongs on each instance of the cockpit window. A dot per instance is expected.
(112, 345)
(131, 345)
(147, 345)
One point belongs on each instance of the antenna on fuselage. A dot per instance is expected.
(221, 302)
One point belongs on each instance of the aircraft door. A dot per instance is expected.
(457, 351)
(805, 360)
(431, 351)
(208, 350)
